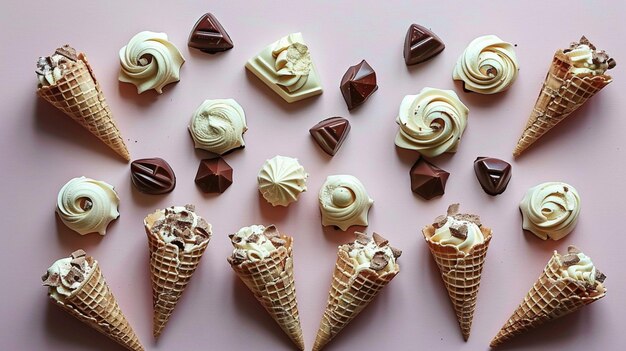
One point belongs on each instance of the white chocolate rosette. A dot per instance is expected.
(87, 206)
(344, 202)
(150, 61)
(431, 122)
(281, 180)
(487, 66)
(550, 210)
(218, 126)
(293, 62)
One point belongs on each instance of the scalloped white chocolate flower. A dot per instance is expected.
(344, 202)
(487, 66)
(87, 206)
(281, 180)
(218, 126)
(150, 61)
(431, 122)
(550, 210)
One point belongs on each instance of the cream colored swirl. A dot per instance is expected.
(293, 62)
(431, 122)
(473, 236)
(583, 270)
(218, 126)
(487, 66)
(251, 243)
(550, 210)
(150, 61)
(281, 180)
(344, 202)
(87, 206)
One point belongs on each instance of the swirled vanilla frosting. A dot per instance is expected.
(281, 180)
(344, 202)
(67, 274)
(150, 61)
(373, 253)
(586, 58)
(431, 122)
(87, 206)
(487, 66)
(255, 243)
(218, 126)
(550, 210)
(578, 266)
(463, 231)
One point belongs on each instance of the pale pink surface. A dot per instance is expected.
(42, 149)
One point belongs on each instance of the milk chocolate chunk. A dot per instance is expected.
(459, 231)
(428, 180)
(330, 134)
(209, 36)
(214, 175)
(379, 240)
(421, 44)
(570, 260)
(358, 84)
(152, 176)
(493, 174)
(379, 261)
(600, 276)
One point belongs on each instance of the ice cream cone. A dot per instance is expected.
(350, 292)
(78, 94)
(562, 93)
(551, 297)
(94, 304)
(461, 273)
(271, 280)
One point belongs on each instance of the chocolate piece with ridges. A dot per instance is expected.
(152, 176)
(330, 134)
(214, 175)
(379, 261)
(493, 174)
(420, 45)
(209, 36)
(358, 84)
(428, 180)
(570, 260)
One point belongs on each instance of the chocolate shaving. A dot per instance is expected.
(600, 276)
(202, 233)
(440, 221)
(238, 257)
(362, 238)
(611, 62)
(179, 243)
(254, 238)
(396, 252)
(78, 262)
(453, 209)
(67, 51)
(472, 218)
(573, 250)
(78, 253)
(187, 234)
(74, 275)
(50, 279)
(271, 232)
(459, 231)
(379, 240)
(379, 261)
(570, 259)
(278, 241)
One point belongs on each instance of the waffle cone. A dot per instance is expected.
(562, 93)
(78, 95)
(550, 297)
(271, 280)
(170, 270)
(461, 273)
(350, 292)
(94, 304)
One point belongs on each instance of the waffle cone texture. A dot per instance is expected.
(562, 93)
(550, 297)
(350, 292)
(461, 274)
(271, 281)
(171, 269)
(78, 95)
(93, 303)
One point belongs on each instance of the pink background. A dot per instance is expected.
(42, 149)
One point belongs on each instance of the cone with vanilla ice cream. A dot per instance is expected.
(575, 75)
(459, 243)
(568, 282)
(67, 81)
(262, 259)
(363, 268)
(177, 239)
(76, 284)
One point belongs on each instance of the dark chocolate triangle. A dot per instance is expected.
(330, 133)
(209, 36)
(428, 180)
(421, 45)
(358, 84)
(493, 174)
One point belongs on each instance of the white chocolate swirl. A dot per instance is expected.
(218, 126)
(281, 180)
(583, 271)
(150, 61)
(431, 122)
(344, 202)
(87, 206)
(443, 235)
(550, 210)
(487, 66)
(293, 62)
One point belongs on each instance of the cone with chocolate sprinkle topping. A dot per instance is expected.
(271, 281)
(552, 296)
(177, 239)
(356, 281)
(93, 303)
(72, 87)
(460, 270)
